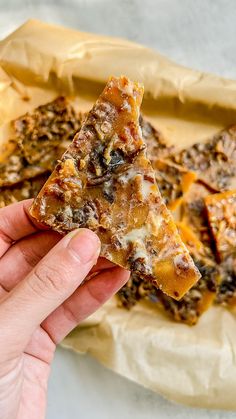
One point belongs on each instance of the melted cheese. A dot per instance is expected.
(127, 176)
(137, 235)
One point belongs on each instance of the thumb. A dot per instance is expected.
(50, 283)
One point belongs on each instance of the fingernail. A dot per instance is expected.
(86, 245)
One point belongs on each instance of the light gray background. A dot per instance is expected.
(195, 33)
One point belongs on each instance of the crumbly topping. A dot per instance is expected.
(213, 161)
(173, 181)
(221, 211)
(226, 293)
(24, 190)
(187, 309)
(157, 147)
(40, 139)
(194, 215)
(42, 130)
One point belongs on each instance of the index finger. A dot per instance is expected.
(15, 224)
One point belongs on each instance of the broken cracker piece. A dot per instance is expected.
(201, 296)
(194, 303)
(221, 212)
(41, 136)
(23, 190)
(194, 215)
(40, 131)
(157, 146)
(105, 182)
(186, 310)
(15, 169)
(226, 293)
(213, 161)
(173, 181)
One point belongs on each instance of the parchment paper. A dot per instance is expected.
(192, 365)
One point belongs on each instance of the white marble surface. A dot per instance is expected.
(196, 33)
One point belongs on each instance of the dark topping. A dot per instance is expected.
(194, 215)
(187, 310)
(117, 159)
(100, 165)
(93, 181)
(139, 265)
(226, 293)
(173, 180)
(221, 212)
(209, 274)
(45, 128)
(148, 178)
(24, 190)
(83, 215)
(214, 161)
(227, 288)
(156, 144)
(129, 294)
(57, 191)
(41, 139)
(96, 160)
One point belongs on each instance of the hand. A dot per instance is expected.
(40, 303)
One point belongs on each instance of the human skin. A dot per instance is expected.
(41, 301)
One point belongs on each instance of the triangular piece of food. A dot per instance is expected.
(105, 182)
(221, 212)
